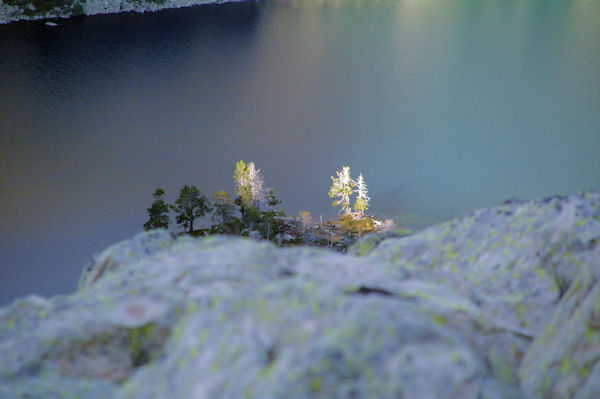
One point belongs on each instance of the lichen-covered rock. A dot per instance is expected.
(572, 368)
(518, 258)
(534, 266)
(504, 303)
(125, 253)
(368, 243)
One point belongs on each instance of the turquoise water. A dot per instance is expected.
(443, 106)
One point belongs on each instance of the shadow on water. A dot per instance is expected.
(51, 71)
(55, 84)
(84, 44)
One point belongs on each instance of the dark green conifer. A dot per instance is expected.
(190, 205)
(158, 212)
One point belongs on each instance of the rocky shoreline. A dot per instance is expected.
(503, 303)
(30, 10)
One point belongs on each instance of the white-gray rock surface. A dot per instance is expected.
(18, 10)
(503, 303)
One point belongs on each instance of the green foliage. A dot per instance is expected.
(360, 206)
(273, 201)
(221, 197)
(342, 187)
(362, 202)
(242, 208)
(241, 173)
(243, 188)
(158, 213)
(268, 225)
(251, 217)
(353, 227)
(190, 205)
(224, 214)
(234, 226)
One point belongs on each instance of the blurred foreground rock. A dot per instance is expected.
(503, 303)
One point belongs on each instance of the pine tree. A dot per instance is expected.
(362, 201)
(243, 189)
(190, 205)
(342, 188)
(257, 189)
(158, 212)
(273, 201)
(224, 212)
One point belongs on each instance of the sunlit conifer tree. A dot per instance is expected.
(342, 188)
(362, 201)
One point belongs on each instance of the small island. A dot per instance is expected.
(254, 213)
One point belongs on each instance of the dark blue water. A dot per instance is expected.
(443, 106)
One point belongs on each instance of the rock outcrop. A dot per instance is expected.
(17, 10)
(503, 303)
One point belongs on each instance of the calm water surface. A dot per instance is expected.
(443, 106)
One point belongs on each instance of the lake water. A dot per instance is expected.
(444, 106)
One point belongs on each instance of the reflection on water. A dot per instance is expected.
(444, 107)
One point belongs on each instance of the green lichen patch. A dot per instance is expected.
(112, 355)
(440, 320)
(145, 342)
